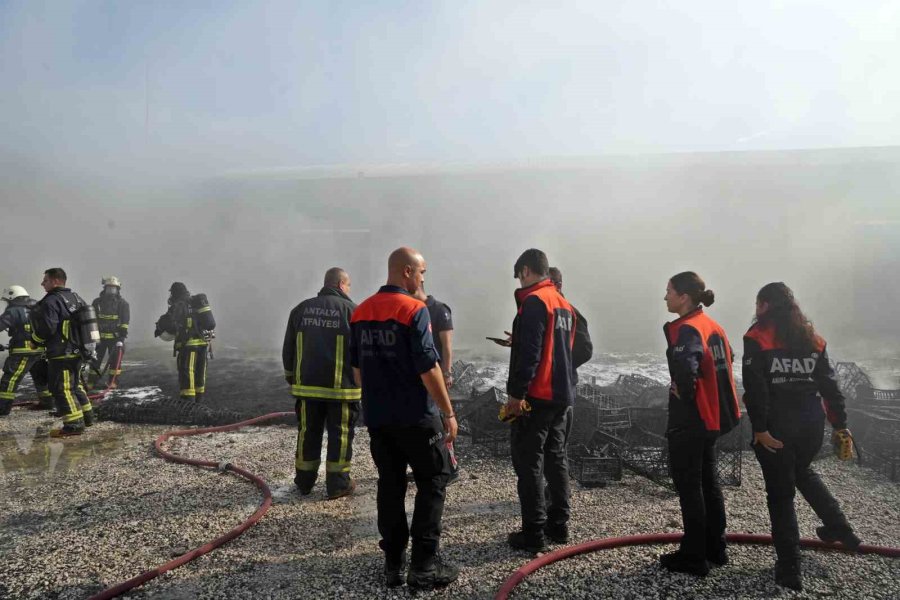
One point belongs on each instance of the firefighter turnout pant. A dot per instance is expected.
(14, 369)
(313, 418)
(424, 449)
(191, 362)
(106, 349)
(71, 400)
(788, 469)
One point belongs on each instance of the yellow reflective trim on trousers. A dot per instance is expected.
(74, 410)
(298, 353)
(191, 362)
(299, 463)
(345, 434)
(16, 375)
(339, 362)
(324, 393)
(7, 395)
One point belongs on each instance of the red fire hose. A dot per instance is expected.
(660, 538)
(230, 535)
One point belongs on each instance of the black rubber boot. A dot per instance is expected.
(433, 573)
(5, 407)
(89, 418)
(677, 562)
(305, 480)
(535, 543)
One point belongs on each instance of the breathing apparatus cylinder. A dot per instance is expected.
(202, 313)
(88, 327)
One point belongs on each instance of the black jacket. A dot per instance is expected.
(316, 350)
(16, 321)
(783, 387)
(53, 324)
(113, 316)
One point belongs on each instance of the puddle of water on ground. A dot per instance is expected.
(33, 451)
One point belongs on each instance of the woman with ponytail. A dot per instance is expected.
(787, 376)
(702, 406)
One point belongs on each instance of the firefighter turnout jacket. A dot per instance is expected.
(541, 362)
(16, 321)
(113, 316)
(53, 324)
(187, 332)
(785, 386)
(700, 360)
(316, 348)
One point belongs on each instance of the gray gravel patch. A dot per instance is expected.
(70, 531)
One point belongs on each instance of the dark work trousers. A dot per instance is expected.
(788, 469)
(692, 463)
(423, 449)
(191, 362)
(113, 364)
(68, 393)
(313, 417)
(538, 443)
(14, 369)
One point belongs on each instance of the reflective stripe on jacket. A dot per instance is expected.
(316, 349)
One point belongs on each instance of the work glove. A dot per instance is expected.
(842, 441)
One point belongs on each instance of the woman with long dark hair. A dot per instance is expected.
(702, 406)
(787, 376)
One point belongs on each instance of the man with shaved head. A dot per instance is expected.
(404, 399)
(316, 344)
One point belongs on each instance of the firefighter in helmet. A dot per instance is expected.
(113, 315)
(24, 354)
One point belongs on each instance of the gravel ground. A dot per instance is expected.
(83, 514)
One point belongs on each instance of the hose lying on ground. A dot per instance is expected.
(230, 535)
(661, 538)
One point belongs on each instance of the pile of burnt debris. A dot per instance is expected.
(622, 426)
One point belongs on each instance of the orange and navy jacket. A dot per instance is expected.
(783, 387)
(392, 346)
(540, 362)
(700, 359)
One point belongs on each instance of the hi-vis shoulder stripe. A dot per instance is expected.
(204, 309)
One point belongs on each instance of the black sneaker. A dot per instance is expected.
(679, 563)
(435, 573)
(393, 570)
(536, 544)
(788, 575)
(558, 534)
(843, 535)
(717, 559)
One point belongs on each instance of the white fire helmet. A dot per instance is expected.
(111, 280)
(14, 291)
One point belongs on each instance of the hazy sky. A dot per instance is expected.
(140, 139)
(108, 85)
